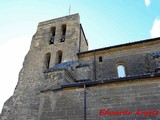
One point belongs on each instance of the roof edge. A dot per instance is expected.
(51, 20)
(120, 45)
(98, 82)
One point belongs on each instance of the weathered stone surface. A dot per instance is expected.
(50, 85)
(67, 104)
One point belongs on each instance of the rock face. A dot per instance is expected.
(62, 80)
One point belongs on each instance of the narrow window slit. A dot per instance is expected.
(121, 71)
(47, 60)
(53, 31)
(59, 57)
(100, 59)
(63, 33)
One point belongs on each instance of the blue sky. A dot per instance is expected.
(105, 23)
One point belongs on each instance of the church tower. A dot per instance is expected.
(62, 80)
(55, 43)
(61, 39)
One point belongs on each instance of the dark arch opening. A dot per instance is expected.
(59, 57)
(47, 60)
(53, 31)
(63, 32)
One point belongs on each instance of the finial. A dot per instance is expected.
(69, 9)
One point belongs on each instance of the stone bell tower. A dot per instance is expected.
(55, 42)
(60, 38)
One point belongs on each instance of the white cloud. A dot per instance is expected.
(155, 31)
(147, 2)
(12, 56)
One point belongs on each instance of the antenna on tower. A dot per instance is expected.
(69, 9)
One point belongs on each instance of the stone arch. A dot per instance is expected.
(63, 28)
(47, 60)
(53, 32)
(121, 69)
(59, 57)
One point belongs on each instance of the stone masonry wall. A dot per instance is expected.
(136, 95)
(24, 103)
(134, 59)
(84, 44)
(29, 102)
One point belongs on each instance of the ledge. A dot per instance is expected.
(97, 82)
(121, 45)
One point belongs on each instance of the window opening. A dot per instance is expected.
(59, 57)
(47, 60)
(63, 33)
(100, 59)
(53, 30)
(121, 71)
